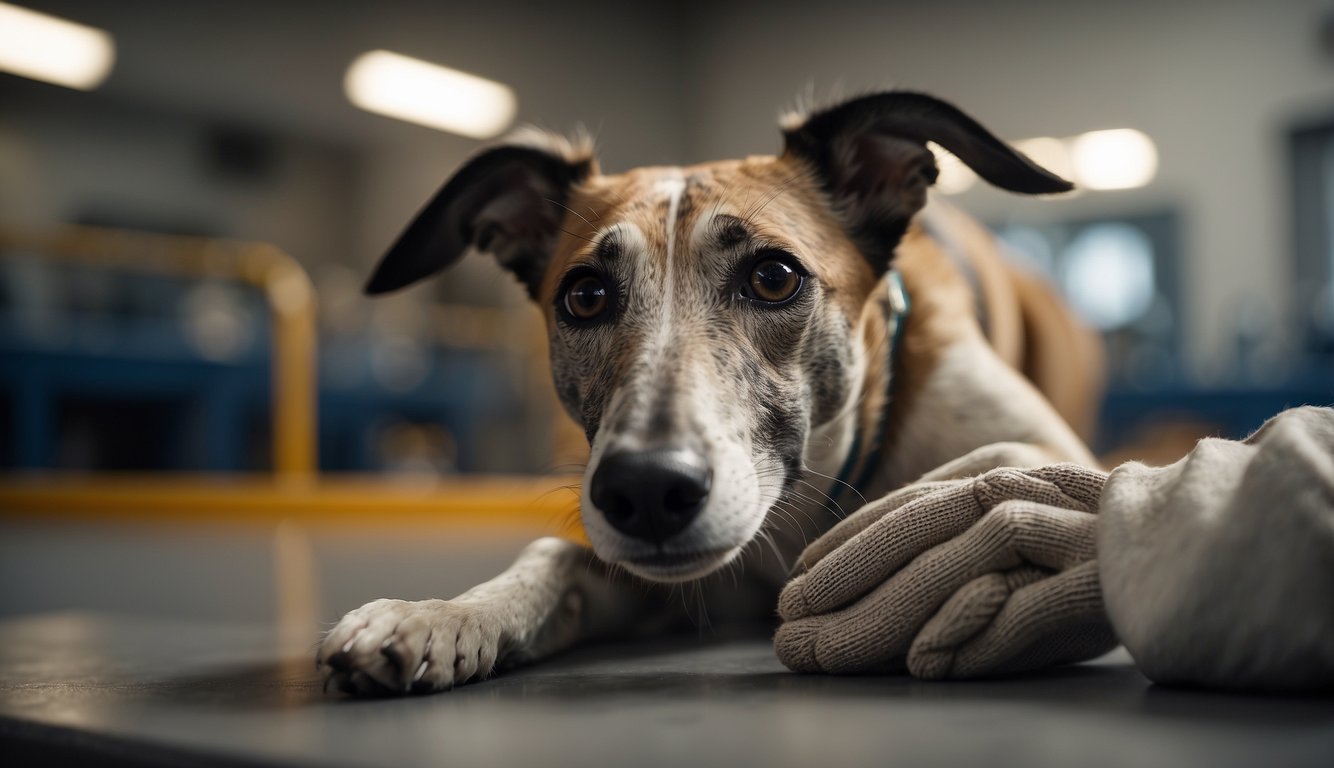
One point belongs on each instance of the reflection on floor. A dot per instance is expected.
(90, 689)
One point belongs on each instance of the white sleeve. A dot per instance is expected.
(1218, 570)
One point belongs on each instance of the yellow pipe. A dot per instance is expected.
(533, 504)
(291, 301)
(286, 288)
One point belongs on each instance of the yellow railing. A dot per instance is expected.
(295, 491)
(534, 504)
(286, 288)
(294, 497)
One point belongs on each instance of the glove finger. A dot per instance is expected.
(1051, 621)
(858, 521)
(870, 557)
(1063, 485)
(988, 457)
(1052, 537)
(1081, 483)
(1007, 484)
(881, 625)
(965, 615)
(1013, 533)
(842, 643)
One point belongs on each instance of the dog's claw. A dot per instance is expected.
(408, 636)
(389, 649)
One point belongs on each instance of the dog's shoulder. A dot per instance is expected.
(963, 284)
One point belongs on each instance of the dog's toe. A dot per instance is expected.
(396, 647)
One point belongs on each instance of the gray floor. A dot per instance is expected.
(223, 572)
(78, 687)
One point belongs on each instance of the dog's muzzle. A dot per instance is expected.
(651, 495)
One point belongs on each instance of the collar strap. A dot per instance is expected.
(895, 314)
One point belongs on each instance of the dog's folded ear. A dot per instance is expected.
(506, 201)
(871, 154)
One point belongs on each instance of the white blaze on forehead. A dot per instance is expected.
(650, 298)
(673, 187)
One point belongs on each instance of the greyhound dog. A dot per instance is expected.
(753, 348)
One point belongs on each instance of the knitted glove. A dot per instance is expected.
(989, 575)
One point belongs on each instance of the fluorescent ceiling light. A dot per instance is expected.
(420, 92)
(1121, 158)
(1052, 154)
(53, 50)
(955, 177)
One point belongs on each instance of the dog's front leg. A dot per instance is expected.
(555, 594)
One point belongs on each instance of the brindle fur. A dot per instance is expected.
(772, 397)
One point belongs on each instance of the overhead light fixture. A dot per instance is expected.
(417, 91)
(1120, 158)
(954, 177)
(1050, 153)
(54, 50)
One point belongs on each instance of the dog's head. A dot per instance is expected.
(707, 324)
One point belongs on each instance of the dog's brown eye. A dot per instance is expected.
(773, 280)
(586, 298)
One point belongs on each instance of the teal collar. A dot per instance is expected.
(895, 315)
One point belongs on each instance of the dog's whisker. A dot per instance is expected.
(813, 487)
(573, 211)
(778, 192)
(565, 467)
(706, 622)
(773, 547)
(805, 512)
(581, 237)
(841, 511)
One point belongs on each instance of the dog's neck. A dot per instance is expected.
(842, 454)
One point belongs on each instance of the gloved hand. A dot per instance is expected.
(988, 575)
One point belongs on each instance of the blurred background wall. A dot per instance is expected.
(230, 120)
(1212, 280)
(1216, 85)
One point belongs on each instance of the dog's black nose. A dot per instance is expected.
(651, 495)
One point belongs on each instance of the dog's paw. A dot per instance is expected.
(391, 647)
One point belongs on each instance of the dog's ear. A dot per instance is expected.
(871, 155)
(506, 201)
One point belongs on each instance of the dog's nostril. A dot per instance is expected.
(617, 509)
(686, 496)
(650, 495)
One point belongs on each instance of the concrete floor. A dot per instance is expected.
(79, 689)
(219, 572)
